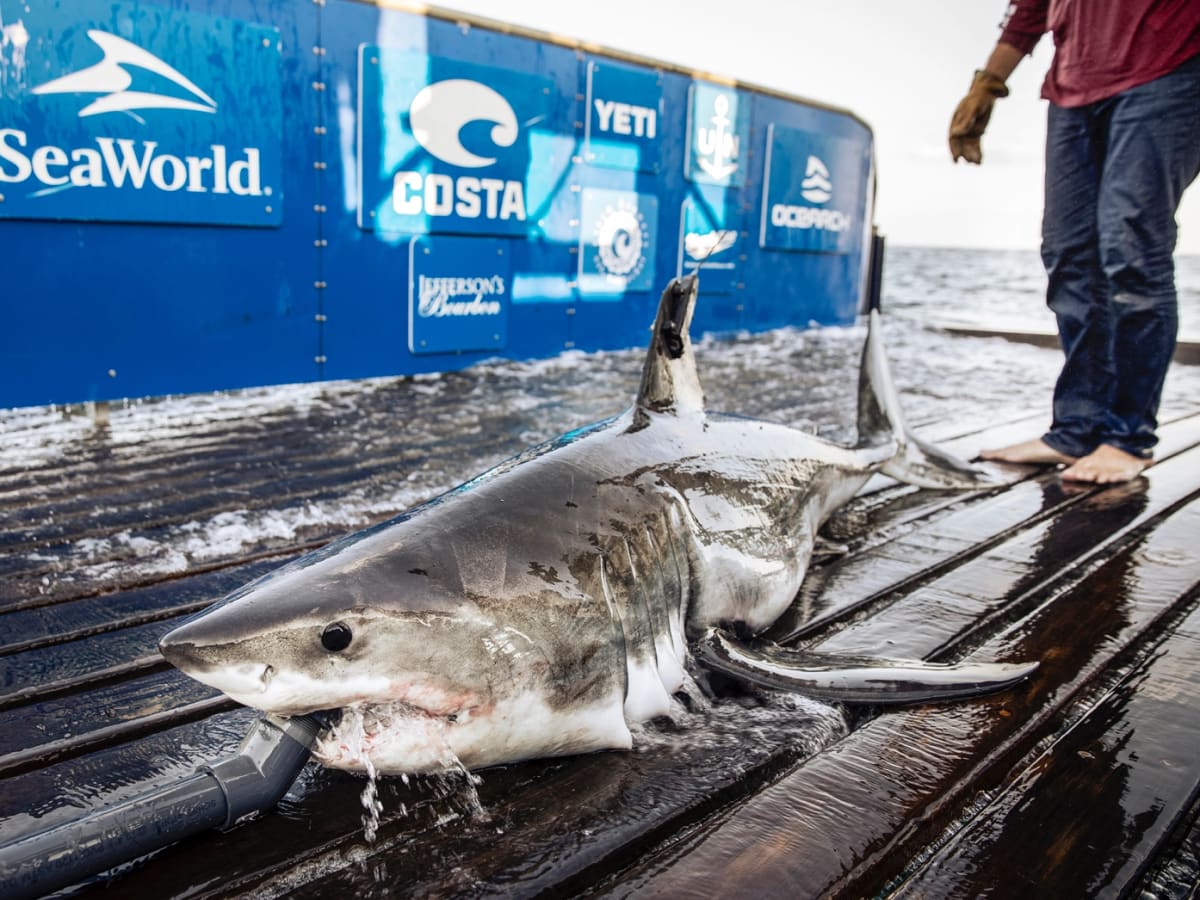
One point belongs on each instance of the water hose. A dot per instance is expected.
(214, 796)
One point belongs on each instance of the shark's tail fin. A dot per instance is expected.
(880, 420)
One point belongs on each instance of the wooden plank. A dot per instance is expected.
(36, 627)
(846, 820)
(70, 787)
(61, 727)
(1116, 782)
(1187, 350)
(546, 825)
(929, 619)
(86, 659)
(969, 527)
(561, 826)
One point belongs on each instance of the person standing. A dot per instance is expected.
(1122, 145)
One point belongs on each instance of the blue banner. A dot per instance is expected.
(458, 294)
(624, 111)
(448, 146)
(618, 231)
(718, 135)
(710, 238)
(814, 191)
(130, 114)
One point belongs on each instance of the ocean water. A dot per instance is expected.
(993, 289)
(1007, 287)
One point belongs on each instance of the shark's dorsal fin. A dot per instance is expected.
(670, 383)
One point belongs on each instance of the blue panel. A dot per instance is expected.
(95, 310)
(128, 113)
(711, 239)
(718, 132)
(458, 296)
(624, 107)
(447, 145)
(617, 244)
(564, 159)
(789, 288)
(814, 191)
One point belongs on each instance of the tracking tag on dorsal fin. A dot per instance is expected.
(670, 383)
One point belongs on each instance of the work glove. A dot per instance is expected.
(971, 116)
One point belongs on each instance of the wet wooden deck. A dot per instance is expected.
(1187, 349)
(1083, 782)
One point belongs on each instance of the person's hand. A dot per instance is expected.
(972, 115)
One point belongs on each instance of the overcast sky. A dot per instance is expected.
(902, 65)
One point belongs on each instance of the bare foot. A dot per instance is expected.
(1106, 465)
(1032, 451)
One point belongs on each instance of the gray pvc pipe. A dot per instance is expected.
(215, 796)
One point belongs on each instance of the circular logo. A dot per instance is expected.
(621, 241)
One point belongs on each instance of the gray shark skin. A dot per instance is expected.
(550, 603)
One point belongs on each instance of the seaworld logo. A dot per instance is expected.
(121, 161)
(437, 116)
(438, 296)
(111, 78)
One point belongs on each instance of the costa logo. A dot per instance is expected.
(440, 111)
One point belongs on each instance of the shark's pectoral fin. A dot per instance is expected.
(853, 679)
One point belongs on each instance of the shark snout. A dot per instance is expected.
(211, 665)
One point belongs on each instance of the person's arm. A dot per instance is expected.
(975, 110)
(1004, 60)
(1023, 26)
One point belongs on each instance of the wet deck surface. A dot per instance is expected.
(1187, 350)
(1084, 782)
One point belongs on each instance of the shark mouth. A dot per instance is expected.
(388, 737)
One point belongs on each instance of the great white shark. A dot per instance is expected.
(554, 601)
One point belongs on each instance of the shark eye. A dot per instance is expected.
(336, 636)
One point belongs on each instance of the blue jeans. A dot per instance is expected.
(1115, 172)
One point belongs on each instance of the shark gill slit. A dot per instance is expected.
(614, 614)
(661, 602)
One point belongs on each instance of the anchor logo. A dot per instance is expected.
(718, 145)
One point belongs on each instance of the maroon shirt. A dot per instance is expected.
(1103, 47)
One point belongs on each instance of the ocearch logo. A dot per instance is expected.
(121, 162)
(817, 189)
(111, 78)
(437, 116)
(816, 186)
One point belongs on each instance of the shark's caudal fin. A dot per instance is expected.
(854, 679)
(670, 383)
(880, 420)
